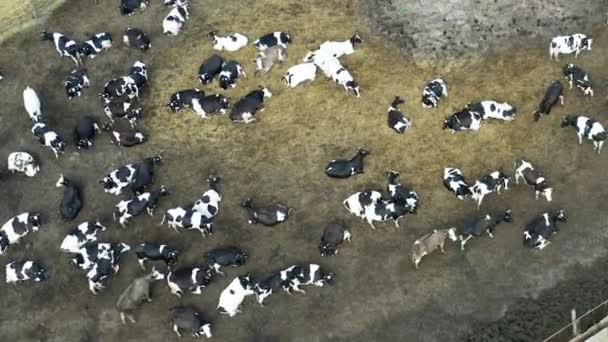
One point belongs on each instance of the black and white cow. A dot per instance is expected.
(173, 22)
(463, 120)
(357, 202)
(144, 174)
(396, 120)
(493, 110)
(139, 74)
(87, 256)
(84, 132)
(32, 104)
(185, 99)
(136, 38)
(118, 179)
(64, 45)
(209, 203)
(126, 137)
(230, 73)
(339, 49)
(489, 184)
(21, 270)
(226, 256)
(268, 216)
(23, 162)
(433, 92)
(155, 251)
(233, 42)
(244, 110)
(210, 104)
(128, 7)
(76, 82)
(234, 294)
(538, 232)
(17, 227)
(475, 228)
(210, 68)
(124, 108)
(343, 77)
(135, 206)
(187, 318)
(334, 234)
(118, 87)
(272, 39)
(81, 235)
(275, 282)
(189, 279)
(401, 195)
(188, 219)
(71, 201)
(553, 93)
(309, 274)
(300, 73)
(453, 180)
(382, 211)
(96, 44)
(102, 268)
(344, 168)
(527, 172)
(577, 76)
(587, 127)
(49, 138)
(569, 44)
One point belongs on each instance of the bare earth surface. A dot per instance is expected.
(378, 295)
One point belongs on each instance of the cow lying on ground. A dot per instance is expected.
(538, 232)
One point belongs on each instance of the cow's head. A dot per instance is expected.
(34, 220)
(508, 216)
(586, 43)
(98, 225)
(354, 87)
(393, 177)
(560, 216)
(224, 103)
(429, 100)
(40, 274)
(267, 94)
(285, 38)
(568, 120)
(547, 193)
(156, 275)
(449, 123)
(463, 191)
(355, 39)
(77, 260)
(327, 249)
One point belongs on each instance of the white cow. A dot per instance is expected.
(233, 295)
(569, 44)
(32, 105)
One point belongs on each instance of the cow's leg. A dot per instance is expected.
(561, 99)
(489, 231)
(536, 194)
(570, 82)
(516, 177)
(576, 53)
(141, 263)
(464, 242)
(347, 236)
(599, 146)
(176, 329)
(441, 247)
(371, 223)
(580, 138)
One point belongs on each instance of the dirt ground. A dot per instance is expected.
(377, 295)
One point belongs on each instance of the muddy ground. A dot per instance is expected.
(378, 295)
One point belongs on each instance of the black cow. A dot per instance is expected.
(538, 232)
(71, 202)
(210, 68)
(226, 256)
(187, 318)
(211, 104)
(76, 82)
(245, 109)
(476, 227)
(123, 107)
(84, 132)
(268, 216)
(126, 137)
(124, 210)
(144, 174)
(396, 120)
(128, 7)
(343, 168)
(401, 195)
(155, 251)
(230, 73)
(334, 234)
(433, 92)
(136, 38)
(553, 93)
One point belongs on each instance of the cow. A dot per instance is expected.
(269, 57)
(139, 74)
(118, 87)
(49, 138)
(230, 73)
(309, 274)
(488, 184)
(463, 120)
(187, 318)
(339, 49)
(136, 38)
(17, 227)
(81, 235)
(527, 172)
(209, 203)
(578, 77)
(210, 104)
(396, 120)
(569, 44)
(118, 179)
(453, 180)
(123, 107)
(76, 82)
(538, 232)
(225, 256)
(96, 44)
(155, 251)
(189, 279)
(234, 294)
(490, 109)
(300, 73)
(23, 162)
(402, 196)
(357, 202)
(126, 137)
(382, 211)
(188, 219)
(476, 227)
(210, 68)
(334, 234)
(553, 93)
(22, 270)
(87, 256)
(31, 102)
(429, 242)
(125, 210)
(128, 7)
(102, 268)
(144, 174)
(71, 201)
(184, 99)
(344, 168)
(271, 39)
(64, 45)
(231, 43)
(345, 79)
(173, 22)
(433, 92)
(244, 110)
(268, 216)
(587, 127)
(84, 132)
(135, 294)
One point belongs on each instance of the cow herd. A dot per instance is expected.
(119, 99)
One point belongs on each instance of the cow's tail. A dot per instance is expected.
(163, 221)
(345, 204)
